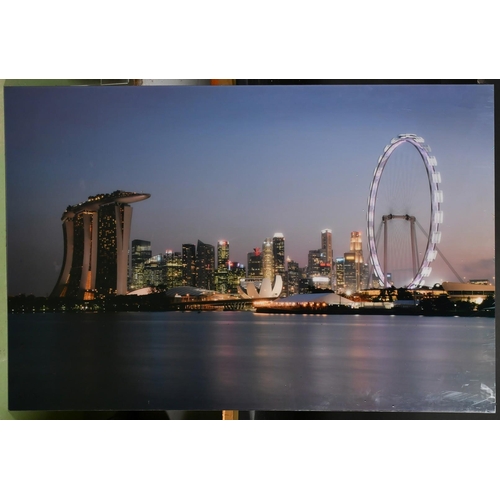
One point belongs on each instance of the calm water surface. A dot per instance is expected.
(248, 361)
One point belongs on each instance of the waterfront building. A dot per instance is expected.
(471, 291)
(96, 246)
(254, 264)
(205, 266)
(141, 252)
(267, 259)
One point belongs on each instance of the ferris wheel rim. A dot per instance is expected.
(436, 215)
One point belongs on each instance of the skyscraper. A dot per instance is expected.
(141, 252)
(314, 259)
(339, 266)
(279, 254)
(96, 242)
(236, 275)
(293, 277)
(173, 269)
(350, 275)
(205, 266)
(267, 259)
(222, 276)
(357, 248)
(188, 264)
(254, 264)
(326, 246)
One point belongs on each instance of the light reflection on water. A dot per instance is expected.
(243, 360)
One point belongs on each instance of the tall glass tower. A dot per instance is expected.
(141, 252)
(205, 266)
(267, 259)
(222, 274)
(279, 255)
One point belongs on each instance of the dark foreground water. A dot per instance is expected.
(248, 361)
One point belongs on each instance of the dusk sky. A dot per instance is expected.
(240, 163)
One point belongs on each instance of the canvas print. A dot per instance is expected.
(251, 248)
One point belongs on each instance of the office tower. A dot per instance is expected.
(356, 247)
(96, 243)
(293, 277)
(339, 266)
(221, 276)
(364, 276)
(254, 264)
(173, 269)
(154, 271)
(141, 252)
(236, 274)
(350, 274)
(188, 264)
(267, 259)
(279, 254)
(326, 246)
(314, 260)
(205, 266)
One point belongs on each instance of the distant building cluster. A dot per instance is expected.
(195, 266)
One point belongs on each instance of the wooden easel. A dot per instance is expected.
(229, 414)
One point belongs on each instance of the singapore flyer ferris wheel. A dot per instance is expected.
(405, 195)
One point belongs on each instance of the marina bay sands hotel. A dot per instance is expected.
(96, 238)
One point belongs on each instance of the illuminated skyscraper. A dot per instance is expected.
(254, 264)
(350, 275)
(173, 269)
(205, 266)
(279, 254)
(96, 243)
(141, 252)
(237, 273)
(188, 264)
(356, 247)
(339, 266)
(222, 276)
(293, 277)
(326, 246)
(314, 260)
(267, 259)
(155, 271)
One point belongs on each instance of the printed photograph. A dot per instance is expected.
(255, 248)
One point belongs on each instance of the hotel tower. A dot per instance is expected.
(96, 240)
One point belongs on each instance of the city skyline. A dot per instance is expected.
(239, 164)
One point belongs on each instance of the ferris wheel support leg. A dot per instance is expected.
(385, 254)
(413, 241)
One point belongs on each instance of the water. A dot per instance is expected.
(248, 361)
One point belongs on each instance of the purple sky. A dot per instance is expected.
(241, 163)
